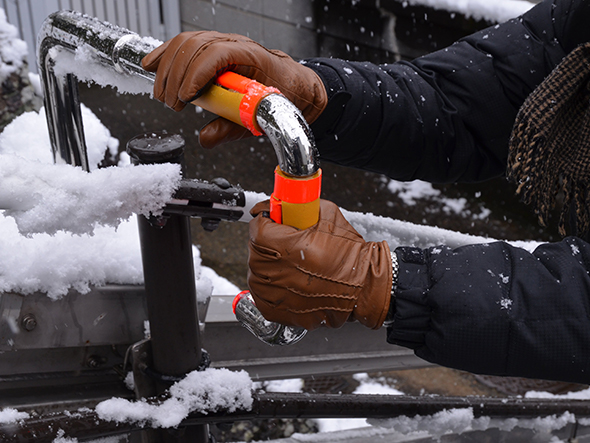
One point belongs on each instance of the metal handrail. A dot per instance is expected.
(121, 51)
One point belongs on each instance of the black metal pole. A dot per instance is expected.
(86, 424)
(166, 250)
(171, 296)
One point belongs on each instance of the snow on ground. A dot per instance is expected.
(410, 192)
(453, 421)
(492, 11)
(367, 386)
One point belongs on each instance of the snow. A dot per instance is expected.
(43, 197)
(205, 391)
(10, 415)
(411, 192)
(82, 63)
(48, 200)
(400, 233)
(52, 198)
(493, 11)
(13, 51)
(459, 421)
(577, 395)
(367, 386)
(285, 385)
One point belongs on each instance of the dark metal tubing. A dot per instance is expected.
(171, 295)
(172, 304)
(86, 424)
(62, 108)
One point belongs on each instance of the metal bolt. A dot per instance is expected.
(29, 322)
(95, 361)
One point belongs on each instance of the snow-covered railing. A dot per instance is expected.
(107, 45)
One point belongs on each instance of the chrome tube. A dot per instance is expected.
(269, 332)
(121, 52)
(110, 45)
(289, 134)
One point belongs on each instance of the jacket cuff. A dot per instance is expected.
(412, 314)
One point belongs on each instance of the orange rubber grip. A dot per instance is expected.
(296, 200)
(253, 92)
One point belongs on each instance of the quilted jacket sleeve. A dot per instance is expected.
(447, 116)
(497, 309)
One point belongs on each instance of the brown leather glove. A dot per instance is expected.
(187, 63)
(327, 274)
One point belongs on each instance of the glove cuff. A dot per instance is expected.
(373, 304)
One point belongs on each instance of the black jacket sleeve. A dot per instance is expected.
(496, 309)
(447, 116)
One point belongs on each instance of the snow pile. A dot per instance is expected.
(492, 11)
(372, 386)
(43, 197)
(459, 421)
(400, 233)
(576, 395)
(9, 415)
(285, 385)
(13, 51)
(52, 198)
(27, 137)
(205, 391)
(54, 264)
(410, 192)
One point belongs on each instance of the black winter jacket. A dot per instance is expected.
(447, 117)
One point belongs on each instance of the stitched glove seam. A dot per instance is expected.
(321, 295)
(323, 277)
(321, 308)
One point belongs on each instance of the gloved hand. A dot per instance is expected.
(188, 62)
(327, 274)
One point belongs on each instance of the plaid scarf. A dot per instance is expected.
(549, 148)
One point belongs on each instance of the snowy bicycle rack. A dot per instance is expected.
(52, 367)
